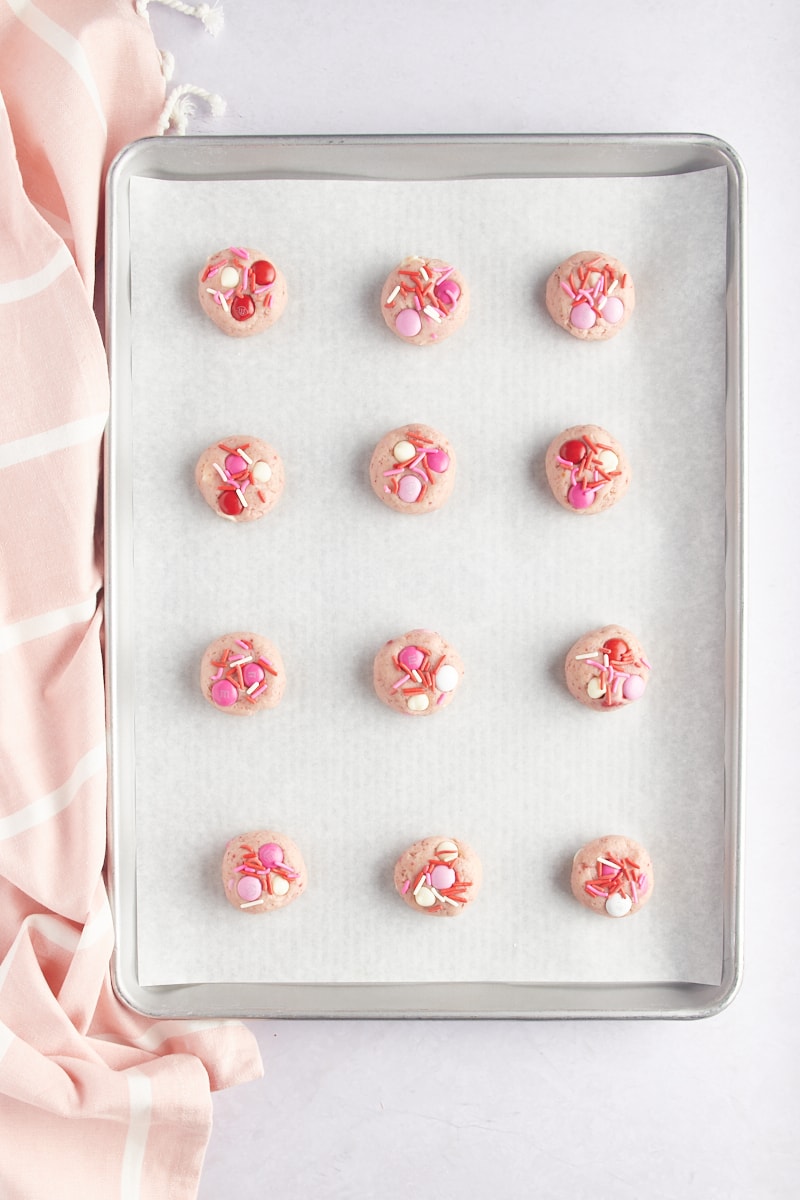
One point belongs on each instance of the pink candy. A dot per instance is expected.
(223, 693)
(633, 687)
(580, 497)
(438, 461)
(613, 310)
(248, 887)
(252, 673)
(409, 486)
(235, 464)
(447, 290)
(411, 658)
(582, 316)
(408, 322)
(270, 855)
(442, 877)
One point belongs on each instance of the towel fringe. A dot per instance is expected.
(210, 15)
(178, 107)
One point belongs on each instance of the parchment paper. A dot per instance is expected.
(514, 766)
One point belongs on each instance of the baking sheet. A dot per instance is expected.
(514, 766)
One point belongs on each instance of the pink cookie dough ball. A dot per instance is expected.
(587, 469)
(262, 871)
(424, 300)
(438, 876)
(242, 673)
(607, 669)
(413, 469)
(240, 477)
(590, 295)
(417, 674)
(242, 291)
(613, 876)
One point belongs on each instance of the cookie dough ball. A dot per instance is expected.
(262, 871)
(413, 469)
(240, 477)
(242, 673)
(417, 673)
(438, 876)
(242, 291)
(424, 300)
(590, 295)
(587, 469)
(613, 876)
(607, 669)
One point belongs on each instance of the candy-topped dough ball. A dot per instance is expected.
(242, 291)
(439, 876)
(417, 673)
(590, 295)
(607, 669)
(242, 673)
(240, 477)
(413, 469)
(587, 469)
(424, 300)
(613, 876)
(262, 871)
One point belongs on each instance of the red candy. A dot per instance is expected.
(230, 504)
(616, 648)
(263, 273)
(573, 451)
(242, 308)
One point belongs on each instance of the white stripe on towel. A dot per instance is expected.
(31, 285)
(61, 438)
(44, 623)
(41, 810)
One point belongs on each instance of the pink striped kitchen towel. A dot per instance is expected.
(95, 1101)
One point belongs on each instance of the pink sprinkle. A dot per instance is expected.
(594, 891)
(417, 304)
(440, 700)
(400, 682)
(387, 489)
(563, 462)
(566, 288)
(212, 271)
(218, 675)
(394, 471)
(255, 695)
(634, 892)
(406, 886)
(645, 663)
(244, 645)
(643, 885)
(237, 250)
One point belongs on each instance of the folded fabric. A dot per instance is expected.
(95, 1101)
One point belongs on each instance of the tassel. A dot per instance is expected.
(211, 16)
(178, 107)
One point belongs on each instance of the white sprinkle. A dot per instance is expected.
(415, 675)
(611, 287)
(419, 885)
(240, 494)
(432, 312)
(424, 274)
(253, 687)
(222, 474)
(447, 900)
(606, 863)
(393, 295)
(251, 904)
(242, 454)
(580, 656)
(605, 661)
(237, 662)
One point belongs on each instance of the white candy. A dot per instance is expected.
(446, 678)
(618, 905)
(404, 451)
(595, 687)
(280, 886)
(418, 703)
(608, 460)
(447, 851)
(261, 472)
(425, 897)
(228, 278)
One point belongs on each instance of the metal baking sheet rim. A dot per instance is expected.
(425, 156)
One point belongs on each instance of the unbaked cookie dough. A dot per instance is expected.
(417, 673)
(240, 477)
(613, 876)
(413, 469)
(587, 469)
(590, 295)
(242, 673)
(424, 300)
(607, 669)
(262, 871)
(241, 291)
(438, 876)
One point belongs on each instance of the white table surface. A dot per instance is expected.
(667, 1111)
